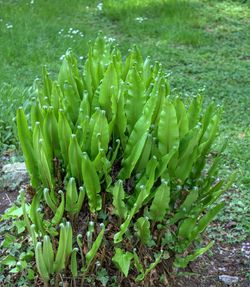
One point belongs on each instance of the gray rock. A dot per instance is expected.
(229, 280)
(13, 176)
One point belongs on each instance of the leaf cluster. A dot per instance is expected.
(107, 143)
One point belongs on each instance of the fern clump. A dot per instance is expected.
(119, 170)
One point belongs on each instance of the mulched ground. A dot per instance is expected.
(224, 259)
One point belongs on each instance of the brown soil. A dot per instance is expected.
(225, 259)
(6, 197)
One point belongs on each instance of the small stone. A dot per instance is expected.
(14, 175)
(229, 280)
(245, 249)
(222, 269)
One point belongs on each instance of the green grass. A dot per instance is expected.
(203, 45)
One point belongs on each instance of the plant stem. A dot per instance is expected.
(159, 237)
(103, 254)
(82, 281)
(57, 280)
(120, 277)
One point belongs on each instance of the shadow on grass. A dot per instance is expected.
(175, 21)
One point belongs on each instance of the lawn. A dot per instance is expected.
(203, 46)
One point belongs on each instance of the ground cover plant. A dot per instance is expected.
(202, 47)
(118, 170)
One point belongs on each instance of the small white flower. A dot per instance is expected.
(62, 57)
(99, 6)
(1, 20)
(81, 58)
(75, 32)
(140, 19)
(61, 31)
(31, 2)
(111, 40)
(9, 25)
